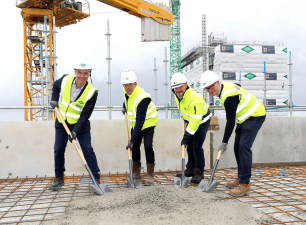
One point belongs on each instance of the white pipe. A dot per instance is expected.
(155, 81)
(109, 70)
(290, 84)
(166, 84)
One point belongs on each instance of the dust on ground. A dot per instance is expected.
(160, 205)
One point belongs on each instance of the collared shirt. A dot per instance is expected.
(220, 88)
(75, 92)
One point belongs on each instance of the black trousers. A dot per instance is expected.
(147, 135)
(244, 139)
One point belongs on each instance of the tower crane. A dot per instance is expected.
(40, 20)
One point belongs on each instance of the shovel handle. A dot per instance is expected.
(183, 146)
(127, 135)
(219, 154)
(69, 133)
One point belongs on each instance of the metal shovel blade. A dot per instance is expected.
(202, 185)
(181, 182)
(211, 186)
(101, 189)
(133, 183)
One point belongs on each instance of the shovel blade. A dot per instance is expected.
(105, 189)
(181, 182)
(96, 188)
(210, 187)
(133, 183)
(202, 185)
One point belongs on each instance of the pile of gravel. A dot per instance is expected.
(160, 205)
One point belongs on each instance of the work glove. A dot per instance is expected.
(54, 104)
(130, 145)
(223, 147)
(123, 110)
(183, 142)
(72, 136)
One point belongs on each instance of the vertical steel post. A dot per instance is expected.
(155, 81)
(46, 68)
(54, 49)
(108, 34)
(290, 84)
(166, 84)
(240, 78)
(41, 62)
(265, 85)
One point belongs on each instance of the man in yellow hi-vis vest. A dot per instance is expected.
(142, 114)
(249, 114)
(77, 101)
(196, 114)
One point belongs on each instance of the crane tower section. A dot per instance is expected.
(175, 48)
(40, 18)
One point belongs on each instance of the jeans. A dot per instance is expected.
(195, 148)
(244, 139)
(84, 139)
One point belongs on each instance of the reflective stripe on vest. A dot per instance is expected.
(131, 105)
(71, 111)
(193, 109)
(248, 103)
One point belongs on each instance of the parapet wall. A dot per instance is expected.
(26, 148)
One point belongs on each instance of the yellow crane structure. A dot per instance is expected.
(40, 19)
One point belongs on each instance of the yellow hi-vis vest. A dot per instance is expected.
(248, 103)
(72, 110)
(193, 109)
(131, 107)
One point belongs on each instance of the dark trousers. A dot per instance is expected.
(84, 139)
(147, 135)
(244, 139)
(195, 148)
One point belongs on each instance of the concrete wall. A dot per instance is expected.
(281, 140)
(26, 148)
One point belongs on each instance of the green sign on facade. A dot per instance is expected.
(286, 76)
(198, 84)
(247, 49)
(250, 76)
(217, 102)
(285, 50)
(198, 61)
(286, 102)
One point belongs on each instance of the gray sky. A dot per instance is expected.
(272, 21)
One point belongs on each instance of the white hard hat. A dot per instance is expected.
(177, 80)
(128, 77)
(208, 78)
(82, 65)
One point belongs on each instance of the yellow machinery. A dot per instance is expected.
(40, 18)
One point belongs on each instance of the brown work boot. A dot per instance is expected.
(150, 174)
(240, 190)
(233, 183)
(136, 170)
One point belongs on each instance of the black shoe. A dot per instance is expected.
(97, 180)
(57, 183)
(198, 176)
(187, 172)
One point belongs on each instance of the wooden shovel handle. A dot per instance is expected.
(69, 133)
(219, 154)
(183, 146)
(127, 135)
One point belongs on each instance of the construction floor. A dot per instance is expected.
(277, 191)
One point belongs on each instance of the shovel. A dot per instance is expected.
(130, 182)
(100, 189)
(183, 181)
(209, 186)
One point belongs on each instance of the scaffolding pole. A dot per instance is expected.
(54, 50)
(265, 84)
(290, 84)
(46, 68)
(155, 81)
(166, 85)
(108, 34)
(42, 81)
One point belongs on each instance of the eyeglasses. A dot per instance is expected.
(210, 87)
(82, 73)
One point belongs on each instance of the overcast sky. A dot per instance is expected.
(260, 20)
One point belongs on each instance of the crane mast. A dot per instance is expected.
(175, 48)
